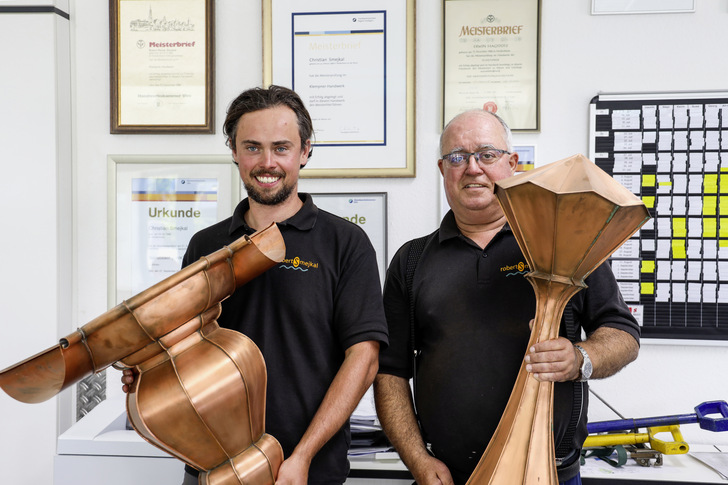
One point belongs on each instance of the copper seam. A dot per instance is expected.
(235, 471)
(245, 384)
(189, 398)
(159, 443)
(209, 284)
(267, 460)
(231, 267)
(139, 323)
(88, 349)
(594, 241)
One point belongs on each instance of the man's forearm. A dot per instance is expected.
(393, 399)
(610, 349)
(349, 385)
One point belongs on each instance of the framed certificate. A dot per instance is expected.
(156, 204)
(526, 157)
(161, 66)
(492, 54)
(352, 63)
(366, 210)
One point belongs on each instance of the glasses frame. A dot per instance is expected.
(447, 157)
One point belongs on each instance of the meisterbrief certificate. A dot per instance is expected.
(491, 54)
(162, 59)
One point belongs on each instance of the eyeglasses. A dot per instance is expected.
(486, 157)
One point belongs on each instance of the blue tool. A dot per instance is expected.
(701, 416)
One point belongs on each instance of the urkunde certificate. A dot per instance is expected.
(339, 72)
(166, 212)
(491, 54)
(162, 78)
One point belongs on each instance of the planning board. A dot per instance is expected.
(672, 151)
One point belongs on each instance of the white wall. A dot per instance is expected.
(35, 197)
(581, 56)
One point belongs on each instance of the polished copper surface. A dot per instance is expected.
(568, 217)
(200, 392)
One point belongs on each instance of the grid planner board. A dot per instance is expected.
(671, 150)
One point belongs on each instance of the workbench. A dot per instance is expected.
(99, 449)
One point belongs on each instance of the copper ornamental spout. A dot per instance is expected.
(200, 393)
(568, 217)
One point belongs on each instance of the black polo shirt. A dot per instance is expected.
(472, 308)
(303, 314)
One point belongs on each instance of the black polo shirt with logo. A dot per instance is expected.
(473, 308)
(303, 314)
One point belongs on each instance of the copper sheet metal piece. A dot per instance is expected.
(200, 393)
(568, 217)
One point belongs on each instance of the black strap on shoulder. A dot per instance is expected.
(565, 447)
(413, 257)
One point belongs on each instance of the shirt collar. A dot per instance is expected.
(302, 220)
(449, 228)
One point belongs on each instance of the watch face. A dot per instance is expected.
(586, 369)
(586, 365)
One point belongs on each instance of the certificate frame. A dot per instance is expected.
(122, 169)
(357, 207)
(492, 53)
(162, 79)
(349, 139)
(601, 7)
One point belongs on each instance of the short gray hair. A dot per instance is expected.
(506, 128)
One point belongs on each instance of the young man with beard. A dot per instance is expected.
(472, 324)
(317, 317)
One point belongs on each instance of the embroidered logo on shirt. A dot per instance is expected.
(298, 264)
(515, 269)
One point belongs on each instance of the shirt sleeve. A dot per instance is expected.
(358, 311)
(396, 359)
(601, 304)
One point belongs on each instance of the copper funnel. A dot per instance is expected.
(200, 393)
(568, 217)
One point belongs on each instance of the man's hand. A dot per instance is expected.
(431, 471)
(293, 471)
(128, 376)
(553, 360)
(393, 398)
(557, 360)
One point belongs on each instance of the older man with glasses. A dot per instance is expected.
(458, 309)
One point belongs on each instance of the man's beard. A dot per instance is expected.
(263, 198)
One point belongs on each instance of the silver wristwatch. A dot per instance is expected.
(585, 371)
